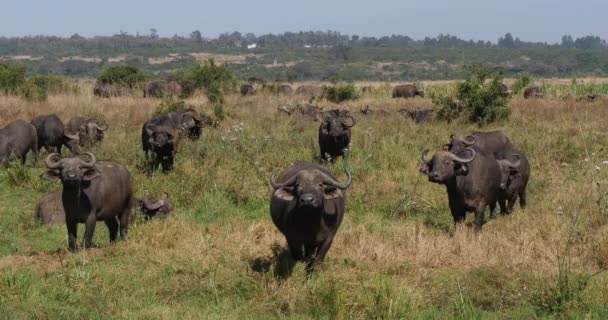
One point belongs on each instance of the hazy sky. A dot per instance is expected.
(530, 20)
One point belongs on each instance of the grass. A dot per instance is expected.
(395, 256)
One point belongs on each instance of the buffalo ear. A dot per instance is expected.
(91, 174)
(461, 169)
(329, 207)
(332, 193)
(51, 175)
(284, 194)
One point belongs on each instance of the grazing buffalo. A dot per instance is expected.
(52, 134)
(426, 115)
(156, 209)
(307, 206)
(369, 112)
(472, 180)
(162, 89)
(16, 140)
(312, 91)
(190, 120)
(407, 91)
(285, 89)
(90, 131)
(49, 209)
(505, 92)
(92, 191)
(334, 134)
(514, 181)
(108, 91)
(248, 90)
(533, 92)
(495, 143)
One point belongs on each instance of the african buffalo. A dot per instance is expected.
(285, 89)
(49, 209)
(472, 180)
(16, 140)
(89, 130)
(334, 134)
(533, 92)
(52, 134)
(248, 90)
(495, 143)
(307, 206)
(312, 91)
(426, 115)
(505, 92)
(407, 91)
(162, 89)
(514, 180)
(369, 112)
(92, 191)
(162, 138)
(109, 91)
(156, 208)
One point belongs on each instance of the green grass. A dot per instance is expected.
(396, 256)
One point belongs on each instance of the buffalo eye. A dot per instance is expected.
(447, 162)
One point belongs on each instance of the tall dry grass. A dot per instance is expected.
(397, 254)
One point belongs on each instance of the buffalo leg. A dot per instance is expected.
(479, 217)
(323, 249)
(58, 148)
(296, 250)
(503, 206)
(112, 225)
(72, 234)
(493, 210)
(523, 199)
(511, 204)
(124, 223)
(459, 216)
(90, 224)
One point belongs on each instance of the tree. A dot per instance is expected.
(590, 43)
(196, 35)
(154, 34)
(507, 41)
(127, 76)
(567, 41)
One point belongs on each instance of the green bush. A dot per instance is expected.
(11, 78)
(339, 93)
(31, 91)
(479, 99)
(521, 84)
(127, 76)
(169, 105)
(214, 79)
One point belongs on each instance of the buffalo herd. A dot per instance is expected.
(481, 170)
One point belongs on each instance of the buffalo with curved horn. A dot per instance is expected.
(307, 206)
(472, 180)
(334, 134)
(92, 191)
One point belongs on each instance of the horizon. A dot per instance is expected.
(474, 20)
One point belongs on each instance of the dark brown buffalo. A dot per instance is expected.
(89, 130)
(248, 90)
(109, 91)
(472, 180)
(92, 191)
(162, 89)
(426, 115)
(52, 134)
(533, 92)
(285, 89)
(312, 91)
(162, 140)
(515, 173)
(407, 91)
(49, 209)
(307, 206)
(495, 143)
(16, 140)
(156, 208)
(334, 134)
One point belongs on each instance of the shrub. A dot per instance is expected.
(169, 105)
(479, 99)
(31, 91)
(521, 84)
(11, 78)
(127, 76)
(214, 79)
(339, 93)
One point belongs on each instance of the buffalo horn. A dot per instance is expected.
(51, 163)
(277, 185)
(329, 181)
(462, 160)
(91, 162)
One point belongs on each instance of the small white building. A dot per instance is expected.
(252, 46)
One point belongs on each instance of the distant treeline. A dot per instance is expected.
(313, 55)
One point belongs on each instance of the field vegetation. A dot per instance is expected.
(397, 254)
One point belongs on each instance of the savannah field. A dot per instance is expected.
(397, 254)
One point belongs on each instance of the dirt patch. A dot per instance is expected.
(79, 58)
(225, 58)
